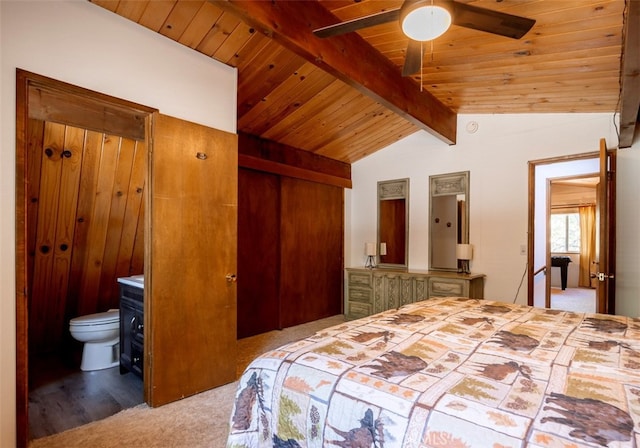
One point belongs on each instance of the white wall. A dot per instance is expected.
(83, 44)
(627, 228)
(496, 156)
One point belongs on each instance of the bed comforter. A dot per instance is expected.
(448, 372)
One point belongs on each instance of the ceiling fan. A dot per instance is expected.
(424, 20)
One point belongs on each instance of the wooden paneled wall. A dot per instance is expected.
(85, 224)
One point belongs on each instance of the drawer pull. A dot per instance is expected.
(135, 326)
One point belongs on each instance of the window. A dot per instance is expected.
(565, 232)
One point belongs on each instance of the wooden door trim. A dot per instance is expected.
(27, 85)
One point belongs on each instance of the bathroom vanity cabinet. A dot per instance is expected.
(131, 325)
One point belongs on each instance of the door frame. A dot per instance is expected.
(532, 270)
(35, 95)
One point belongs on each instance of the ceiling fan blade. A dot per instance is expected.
(358, 24)
(491, 21)
(413, 58)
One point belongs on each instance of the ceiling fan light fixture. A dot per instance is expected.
(424, 22)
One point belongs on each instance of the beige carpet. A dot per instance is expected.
(198, 421)
(579, 300)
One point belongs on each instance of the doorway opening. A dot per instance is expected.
(571, 220)
(57, 275)
(595, 254)
(550, 266)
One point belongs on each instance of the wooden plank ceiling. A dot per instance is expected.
(294, 89)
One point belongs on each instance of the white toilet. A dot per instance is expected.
(100, 333)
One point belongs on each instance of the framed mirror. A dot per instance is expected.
(393, 223)
(448, 219)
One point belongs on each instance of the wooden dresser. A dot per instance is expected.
(370, 291)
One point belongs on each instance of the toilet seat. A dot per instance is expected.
(108, 317)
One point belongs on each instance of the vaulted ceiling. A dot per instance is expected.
(344, 97)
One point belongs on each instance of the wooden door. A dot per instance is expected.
(258, 252)
(605, 218)
(311, 235)
(190, 290)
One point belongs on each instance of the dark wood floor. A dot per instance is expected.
(61, 396)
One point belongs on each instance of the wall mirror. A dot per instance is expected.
(448, 219)
(393, 223)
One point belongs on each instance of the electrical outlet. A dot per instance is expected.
(523, 249)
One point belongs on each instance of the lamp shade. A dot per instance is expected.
(464, 251)
(370, 249)
(424, 21)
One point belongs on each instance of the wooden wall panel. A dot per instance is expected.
(42, 317)
(84, 219)
(65, 228)
(132, 228)
(36, 134)
(108, 281)
(312, 229)
(98, 227)
(86, 198)
(137, 258)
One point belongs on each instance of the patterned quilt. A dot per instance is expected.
(448, 372)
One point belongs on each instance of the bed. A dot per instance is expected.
(448, 372)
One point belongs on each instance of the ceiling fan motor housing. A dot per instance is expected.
(424, 20)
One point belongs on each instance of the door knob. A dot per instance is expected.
(602, 276)
(231, 278)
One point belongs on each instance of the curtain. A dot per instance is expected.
(587, 244)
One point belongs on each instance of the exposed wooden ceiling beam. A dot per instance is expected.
(630, 88)
(349, 58)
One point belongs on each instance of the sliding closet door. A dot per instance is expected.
(190, 303)
(258, 252)
(311, 234)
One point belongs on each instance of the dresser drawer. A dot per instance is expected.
(445, 287)
(359, 279)
(360, 295)
(357, 310)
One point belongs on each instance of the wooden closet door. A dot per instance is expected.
(311, 267)
(190, 291)
(258, 252)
